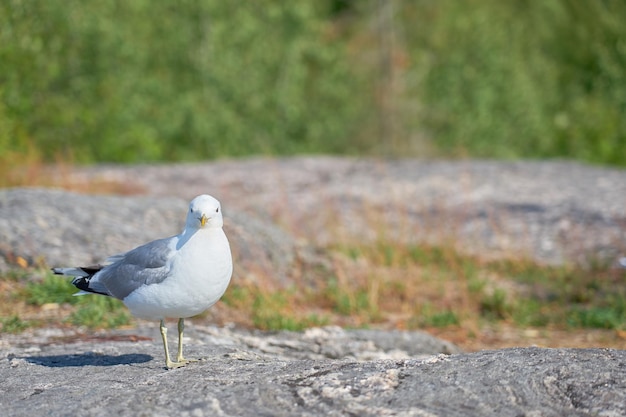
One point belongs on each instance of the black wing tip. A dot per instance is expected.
(81, 282)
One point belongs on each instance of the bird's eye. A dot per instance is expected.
(217, 210)
(190, 210)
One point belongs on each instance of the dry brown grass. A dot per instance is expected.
(475, 303)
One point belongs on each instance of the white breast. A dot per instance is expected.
(199, 275)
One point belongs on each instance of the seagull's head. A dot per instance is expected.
(204, 212)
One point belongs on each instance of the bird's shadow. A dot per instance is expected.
(88, 359)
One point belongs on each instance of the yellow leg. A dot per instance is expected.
(181, 328)
(168, 363)
(179, 357)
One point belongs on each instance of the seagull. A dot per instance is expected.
(175, 277)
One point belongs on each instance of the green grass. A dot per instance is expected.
(93, 311)
(429, 318)
(592, 297)
(465, 288)
(608, 314)
(274, 310)
(495, 306)
(529, 312)
(13, 324)
(270, 312)
(347, 301)
(97, 311)
(52, 289)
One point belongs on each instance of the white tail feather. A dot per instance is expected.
(72, 272)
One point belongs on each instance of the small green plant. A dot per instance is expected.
(531, 312)
(428, 255)
(476, 285)
(13, 324)
(495, 306)
(91, 310)
(272, 312)
(443, 318)
(278, 321)
(237, 296)
(52, 289)
(595, 317)
(348, 301)
(610, 315)
(100, 312)
(15, 275)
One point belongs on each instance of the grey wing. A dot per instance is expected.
(144, 265)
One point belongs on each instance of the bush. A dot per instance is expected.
(152, 81)
(522, 79)
(146, 81)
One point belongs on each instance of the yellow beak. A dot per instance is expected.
(203, 220)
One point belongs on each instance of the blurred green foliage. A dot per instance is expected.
(132, 81)
(526, 78)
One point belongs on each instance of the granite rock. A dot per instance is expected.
(103, 376)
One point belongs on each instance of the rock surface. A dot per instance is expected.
(555, 212)
(58, 228)
(246, 374)
(275, 210)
